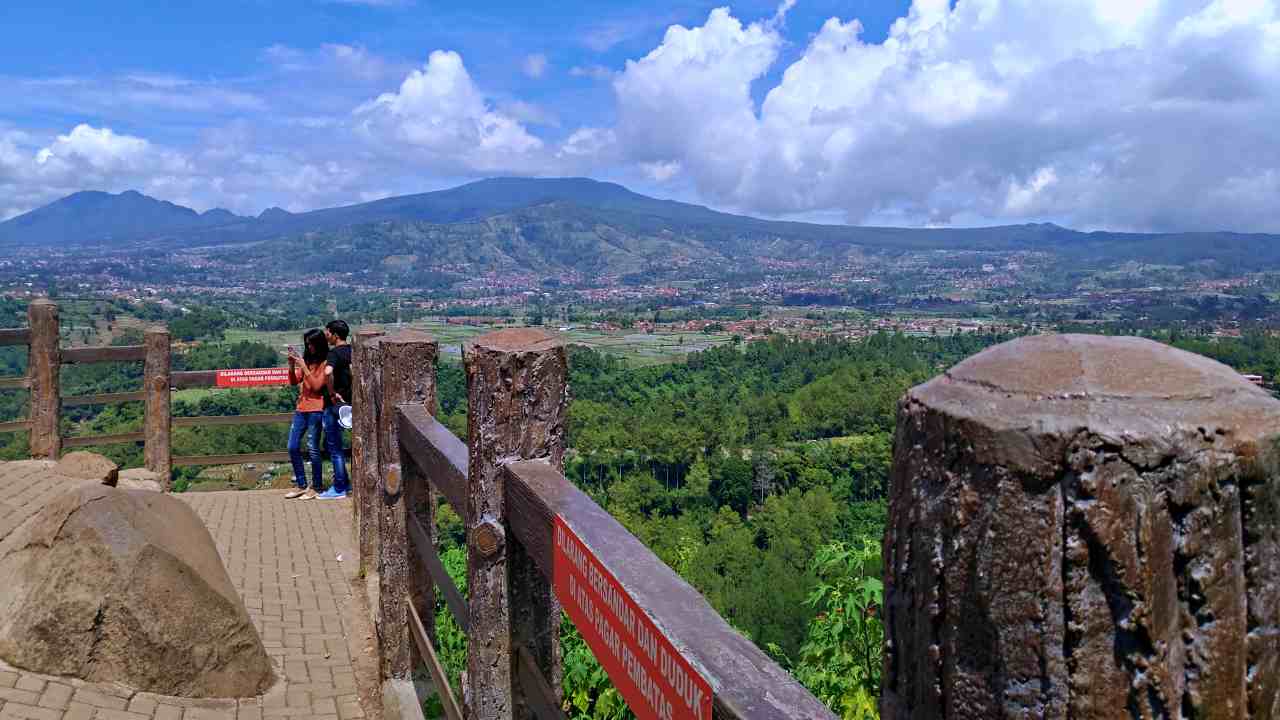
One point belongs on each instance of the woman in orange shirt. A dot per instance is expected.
(307, 372)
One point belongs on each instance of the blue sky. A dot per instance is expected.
(1143, 115)
(231, 42)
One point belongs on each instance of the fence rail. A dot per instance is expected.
(223, 420)
(516, 505)
(237, 459)
(15, 336)
(187, 379)
(15, 425)
(103, 399)
(91, 440)
(110, 353)
(46, 357)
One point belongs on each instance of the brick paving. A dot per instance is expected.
(282, 556)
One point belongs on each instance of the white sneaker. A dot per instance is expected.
(309, 495)
(294, 494)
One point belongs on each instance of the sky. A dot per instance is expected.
(1134, 115)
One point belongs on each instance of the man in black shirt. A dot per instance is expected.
(337, 374)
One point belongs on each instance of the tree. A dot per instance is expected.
(731, 483)
(840, 659)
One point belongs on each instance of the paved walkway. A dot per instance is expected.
(291, 562)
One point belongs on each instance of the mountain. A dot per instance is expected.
(95, 218)
(578, 223)
(99, 217)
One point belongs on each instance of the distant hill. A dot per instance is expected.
(92, 217)
(580, 224)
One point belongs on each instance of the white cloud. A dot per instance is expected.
(690, 98)
(535, 65)
(1100, 113)
(595, 72)
(588, 142)
(527, 112)
(100, 148)
(34, 171)
(442, 118)
(144, 93)
(603, 37)
(661, 171)
(229, 170)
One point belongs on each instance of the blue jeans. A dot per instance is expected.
(333, 443)
(306, 423)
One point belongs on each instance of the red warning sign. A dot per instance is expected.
(253, 377)
(655, 680)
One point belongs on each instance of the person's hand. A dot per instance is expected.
(339, 398)
(293, 357)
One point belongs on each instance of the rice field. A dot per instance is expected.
(640, 348)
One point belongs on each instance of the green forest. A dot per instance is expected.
(745, 467)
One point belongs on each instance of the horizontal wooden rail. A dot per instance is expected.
(15, 336)
(268, 457)
(204, 420)
(437, 452)
(747, 684)
(87, 440)
(15, 425)
(194, 379)
(110, 353)
(427, 555)
(15, 383)
(439, 677)
(103, 398)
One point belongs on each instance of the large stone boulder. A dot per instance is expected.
(113, 585)
(83, 465)
(1084, 527)
(140, 479)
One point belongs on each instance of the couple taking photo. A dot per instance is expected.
(323, 377)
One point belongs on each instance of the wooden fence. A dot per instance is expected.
(534, 541)
(44, 360)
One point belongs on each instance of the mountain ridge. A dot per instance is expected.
(471, 201)
(543, 216)
(125, 215)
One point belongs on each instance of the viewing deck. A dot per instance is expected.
(293, 565)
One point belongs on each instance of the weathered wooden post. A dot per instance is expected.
(44, 365)
(518, 395)
(156, 384)
(366, 396)
(407, 375)
(1084, 527)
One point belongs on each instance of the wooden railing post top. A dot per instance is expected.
(368, 333)
(156, 330)
(409, 336)
(515, 340)
(1128, 385)
(1128, 368)
(43, 304)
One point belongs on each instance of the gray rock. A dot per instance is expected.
(140, 479)
(83, 465)
(112, 585)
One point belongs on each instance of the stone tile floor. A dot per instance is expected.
(283, 557)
